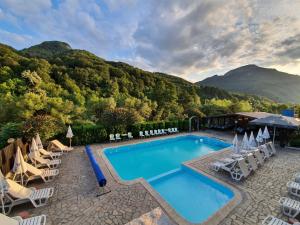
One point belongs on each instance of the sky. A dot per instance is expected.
(192, 39)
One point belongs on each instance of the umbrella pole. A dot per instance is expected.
(70, 141)
(274, 135)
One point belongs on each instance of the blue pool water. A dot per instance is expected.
(194, 196)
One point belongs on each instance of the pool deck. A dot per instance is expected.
(76, 199)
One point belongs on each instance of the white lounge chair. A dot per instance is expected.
(155, 132)
(252, 162)
(265, 151)
(241, 170)
(226, 165)
(34, 173)
(51, 155)
(17, 220)
(170, 131)
(141, 134)
(58, 146)
(147, 133)
(293, 188)
(289, 207)
(41, 162)
(118, 137)
(129, 135)
(297, 177)
(163, 132)
(271, 220)
(159, 132)
(259, 157)
(17, 194)
(176, 130)
(271, 148)
(112, 137)
(151, 133)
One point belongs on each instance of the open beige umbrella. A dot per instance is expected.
(19, 167)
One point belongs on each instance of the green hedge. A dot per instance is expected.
(86, 134)
(295, 142)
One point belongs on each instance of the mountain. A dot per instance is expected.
(51, 84)
(251, 79)
(46, 49)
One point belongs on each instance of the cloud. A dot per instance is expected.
(191, 39)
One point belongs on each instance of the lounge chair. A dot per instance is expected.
(151, 133)
(147, 133)
(47, 154)
(170, 131)
(252, 162)
(176, 130)
(259, 157)
(265, 151)
(58, 146)
(271, 220)
(241, 170)
(289, 207)
(17, 220)
(17, 194)
(112, 137)
(155, 132)
(34, 173)
(225, 164)
(163, 132)
(293, 188)
(159, 132)
(118, 137)
(129, 135)
(297, 177)
(41, 162)
(141, 134)
(271, 148)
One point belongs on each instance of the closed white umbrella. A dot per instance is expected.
(245, 142)
(235, 143)
(266, 134)
(34, 150)
(19, 167)
(3, 189)
(252, 142)
(70, 134)
(259, 137)
(38, 141)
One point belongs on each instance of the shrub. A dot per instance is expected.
(10, 130)
(295, 142)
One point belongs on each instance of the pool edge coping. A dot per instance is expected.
(214, 219)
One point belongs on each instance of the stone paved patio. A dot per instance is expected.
(76, 199)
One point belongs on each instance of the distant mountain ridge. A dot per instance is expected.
(265, 82)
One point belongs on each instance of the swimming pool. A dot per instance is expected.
(192, 195)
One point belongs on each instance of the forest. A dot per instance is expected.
(50, 85)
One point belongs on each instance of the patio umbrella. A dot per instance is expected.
(38, 141)
(259, 137)
(245, 142)
(19, 165)
(266, 134)
(70, 134)
(252, 142)
(235, 143)
(34, 150)
(3, 189)
(278, 121)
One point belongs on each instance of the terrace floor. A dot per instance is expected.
(77, 201)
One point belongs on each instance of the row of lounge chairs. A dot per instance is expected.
(117, 137)
(158, 132)
(289, 207)
(241, 165)
(14, 193)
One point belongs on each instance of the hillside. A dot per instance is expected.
(51, 84)
(251, 79)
